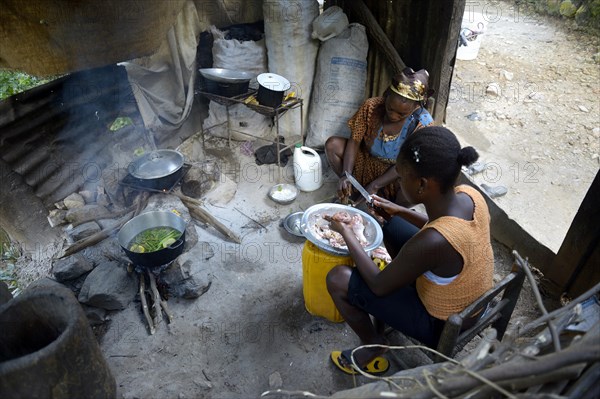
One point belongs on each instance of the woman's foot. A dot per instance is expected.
(375, 365)
(362, 356)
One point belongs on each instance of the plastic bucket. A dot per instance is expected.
(307, 169)
(473, 28)
(470, 51)
(316, 263)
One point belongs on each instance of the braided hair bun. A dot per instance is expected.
(434, 152)
(467, 156)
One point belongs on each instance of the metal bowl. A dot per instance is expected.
(292, 224)
(226, 75)
(283, 193)
(314, 216)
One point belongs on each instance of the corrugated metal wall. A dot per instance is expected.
(56, 136)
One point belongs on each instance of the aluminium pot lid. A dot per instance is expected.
(156, 164)
(226, 75)
(273, 82)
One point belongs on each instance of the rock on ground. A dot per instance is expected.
(109, 286)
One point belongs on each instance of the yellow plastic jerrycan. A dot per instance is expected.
(316, 263)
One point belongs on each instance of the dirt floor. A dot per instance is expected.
(540, 137)
(250, 331)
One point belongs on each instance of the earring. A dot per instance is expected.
(420, 191)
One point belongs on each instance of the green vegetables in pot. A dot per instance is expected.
(154, 239)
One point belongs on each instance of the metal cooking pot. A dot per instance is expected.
(271, 89)
(147, 221)
(158, 170)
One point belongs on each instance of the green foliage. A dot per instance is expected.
(12, 83)
(9, 253)
(567, 9)
(154, 239)
(120, 122)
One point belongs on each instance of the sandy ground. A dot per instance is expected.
(250, 332)
(540, 137)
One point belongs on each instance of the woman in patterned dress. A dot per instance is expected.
(378, 130)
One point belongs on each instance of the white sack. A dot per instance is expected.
(241, 119)
(339, 86)
(292, 52)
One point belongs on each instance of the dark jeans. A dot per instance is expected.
(396, 232)
(402, 309)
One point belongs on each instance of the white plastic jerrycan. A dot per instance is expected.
(308, 171)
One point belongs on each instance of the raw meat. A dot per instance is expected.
(335, 239)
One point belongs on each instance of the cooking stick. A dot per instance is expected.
(201, 214)
(145, 303)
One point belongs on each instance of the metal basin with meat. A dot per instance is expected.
(313, 217)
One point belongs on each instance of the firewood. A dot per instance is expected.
(142, 200)
(145, 303)
(87, 213)
(155, 299)
(196, 211)
(57, 217)
(96, 238)
(158, 301)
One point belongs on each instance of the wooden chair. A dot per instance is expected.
(497, 312)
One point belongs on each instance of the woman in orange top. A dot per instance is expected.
(378, 129)
(442, 261)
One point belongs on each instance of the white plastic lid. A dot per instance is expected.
(273, 82)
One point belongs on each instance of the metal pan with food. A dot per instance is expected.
(316, 228)
(153, 238)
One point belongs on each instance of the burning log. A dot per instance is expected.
(145, 304)
(96, 238)
(158, 301)
(142, 200)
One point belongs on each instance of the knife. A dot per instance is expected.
(359, 188)
(366, 195)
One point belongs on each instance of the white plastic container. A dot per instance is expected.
(308, 171)
(471, 23)
(330, 23)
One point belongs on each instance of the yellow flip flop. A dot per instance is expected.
(379, 365)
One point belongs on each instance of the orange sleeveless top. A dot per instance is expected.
(471, 239)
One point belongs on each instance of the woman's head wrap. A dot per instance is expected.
(411, 84)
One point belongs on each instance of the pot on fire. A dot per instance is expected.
(158, 170)
(144, 222)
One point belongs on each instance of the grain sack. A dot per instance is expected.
(339, 86)
(291, 51)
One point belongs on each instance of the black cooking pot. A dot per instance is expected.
(147, 221)
(158, 170)
(271, 88)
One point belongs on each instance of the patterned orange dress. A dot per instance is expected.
(365, 127)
